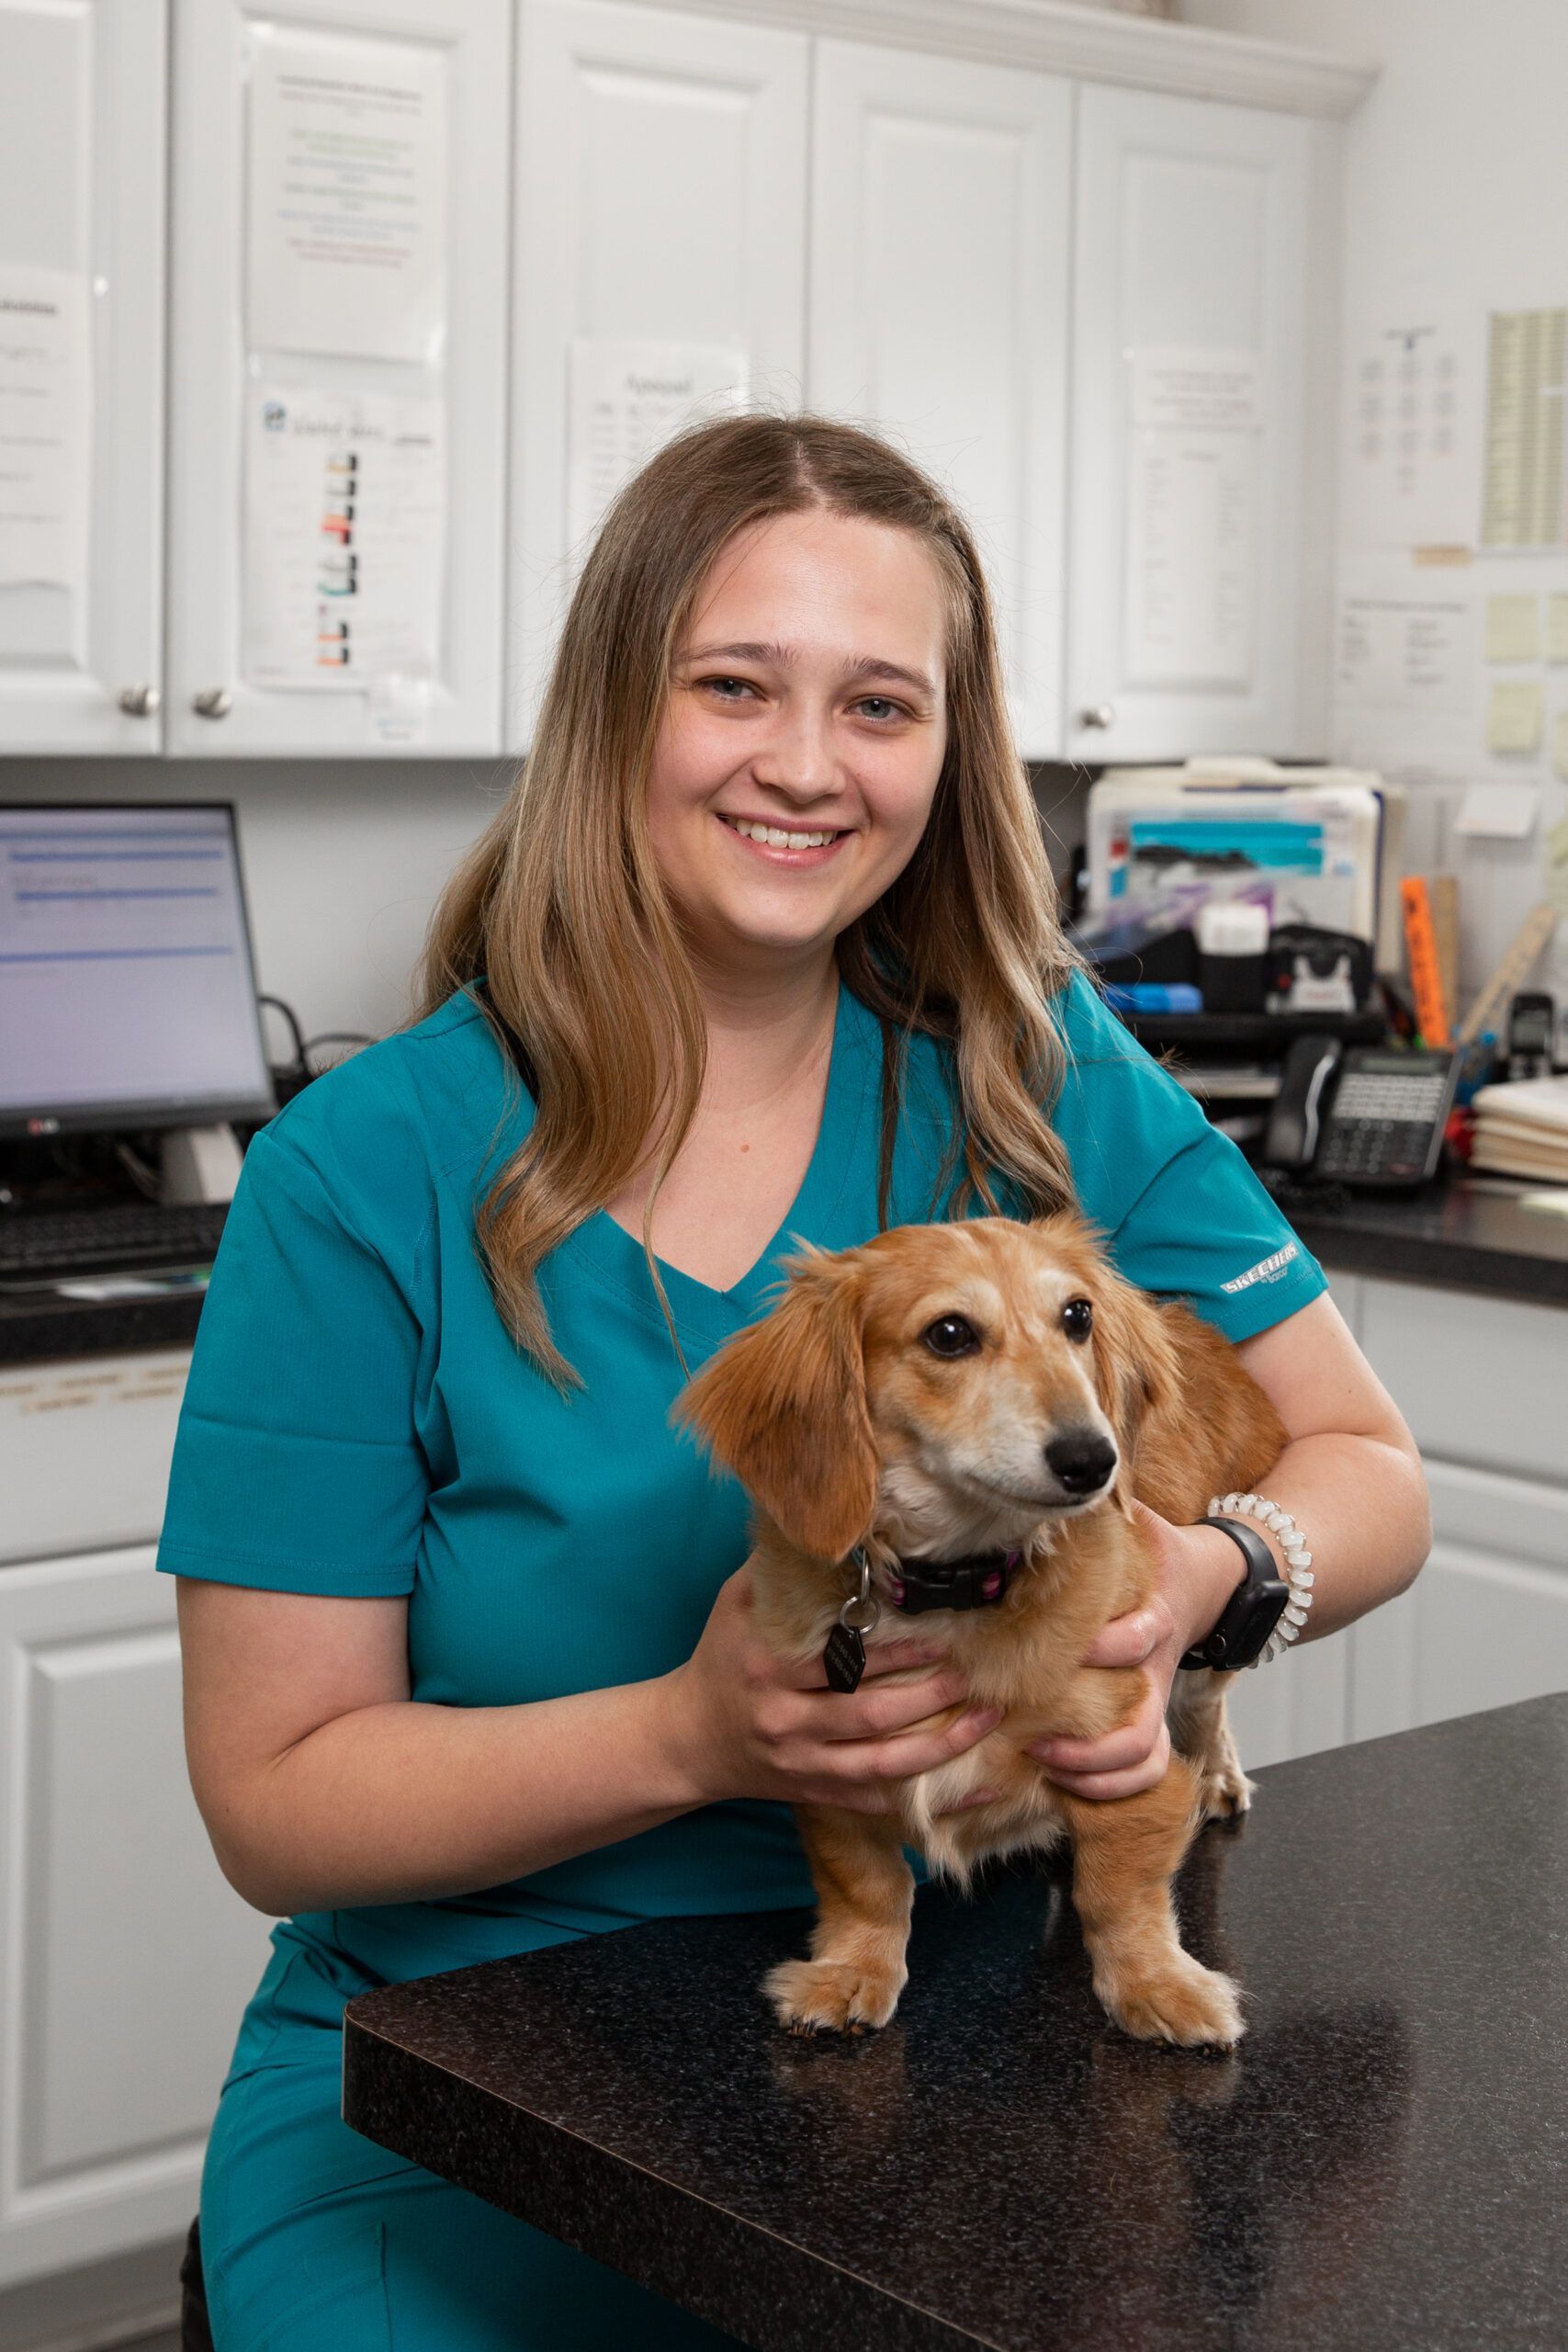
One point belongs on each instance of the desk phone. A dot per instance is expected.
(1369, 1115)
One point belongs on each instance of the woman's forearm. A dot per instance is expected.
(403, 1802)
(1362, 1509)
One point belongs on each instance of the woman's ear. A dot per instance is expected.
(784, 1406)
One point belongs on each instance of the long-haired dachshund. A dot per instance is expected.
(991, 1389)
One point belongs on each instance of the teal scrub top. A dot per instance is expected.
(358, 1421)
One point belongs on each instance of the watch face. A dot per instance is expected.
(1265, 1605)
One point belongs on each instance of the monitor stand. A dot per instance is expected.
(199, 1164)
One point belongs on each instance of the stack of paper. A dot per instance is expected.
(1522, 1130)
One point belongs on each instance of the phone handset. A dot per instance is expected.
(1295, 1124)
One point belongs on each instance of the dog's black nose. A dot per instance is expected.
(1082, 1460)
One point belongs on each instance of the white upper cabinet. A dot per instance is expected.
(337, 375)
(1191, 351)
(939, 252)
(661, 198)
(82, 145)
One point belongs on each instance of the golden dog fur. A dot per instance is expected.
(846, 1427)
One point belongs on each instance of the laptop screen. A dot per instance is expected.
(127, 993)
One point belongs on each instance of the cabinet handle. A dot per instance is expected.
(216, 703)
(140, 701)
(1098, 714)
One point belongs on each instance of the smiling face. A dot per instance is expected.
(802, 737)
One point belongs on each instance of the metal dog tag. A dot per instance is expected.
(844, 1661)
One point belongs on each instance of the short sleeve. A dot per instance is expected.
(297, 1464)
(1182, 1210)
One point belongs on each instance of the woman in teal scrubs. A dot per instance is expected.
(467, 1654)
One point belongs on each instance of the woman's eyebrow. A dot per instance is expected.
(871, 665)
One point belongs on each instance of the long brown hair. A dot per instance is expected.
(560, 906)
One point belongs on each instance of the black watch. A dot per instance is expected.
(1253, 1609)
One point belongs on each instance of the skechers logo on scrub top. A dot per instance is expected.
(1268, 1270)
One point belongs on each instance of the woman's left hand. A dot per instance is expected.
(1194, 1583)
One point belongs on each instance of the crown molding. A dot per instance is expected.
(1092, 44)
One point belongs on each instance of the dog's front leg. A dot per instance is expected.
(866, 1894)
(1200, 1730)
(1126, 1852)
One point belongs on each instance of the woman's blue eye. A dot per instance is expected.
(726, 682)
(883, 700)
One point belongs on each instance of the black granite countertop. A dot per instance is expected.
(1380, 2164)
(1467, 1234)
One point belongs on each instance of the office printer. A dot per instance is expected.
(1321, 846)
(1313, 855)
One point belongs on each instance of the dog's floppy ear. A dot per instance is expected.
(782, 1405)
(1138, 1372)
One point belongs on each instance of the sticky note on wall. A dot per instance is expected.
(1557, 627)
(1498, 812)
(1513, 628)
(1515, 709)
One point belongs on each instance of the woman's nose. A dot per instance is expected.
(799, 756)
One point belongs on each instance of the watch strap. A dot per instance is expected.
(1253, 1611)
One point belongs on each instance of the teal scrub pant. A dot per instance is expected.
(313, 2239)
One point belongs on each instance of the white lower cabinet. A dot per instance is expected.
(127, 1959)
(1294, 1704)
(1481, 1382)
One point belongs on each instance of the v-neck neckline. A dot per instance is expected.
(617, 1256)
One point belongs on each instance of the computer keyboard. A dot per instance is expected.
(37, 1245)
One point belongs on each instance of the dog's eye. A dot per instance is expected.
(1078, 1318)
(950, 1335)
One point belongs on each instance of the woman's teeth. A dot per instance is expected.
(776, 838)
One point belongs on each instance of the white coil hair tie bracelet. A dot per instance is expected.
(1298, 1563)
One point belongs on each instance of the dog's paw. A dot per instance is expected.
(1226, 1791)
(1181, 2002)
(833, 1995)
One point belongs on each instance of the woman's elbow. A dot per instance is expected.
(255, 1885)
(1413, 1544)
(240, 1853)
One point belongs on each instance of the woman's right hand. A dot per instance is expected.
(752, 1724)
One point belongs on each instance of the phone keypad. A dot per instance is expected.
(1380, 1125)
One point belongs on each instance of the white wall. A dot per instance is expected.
(343, 861)
(1456, 165)
(1456, 197)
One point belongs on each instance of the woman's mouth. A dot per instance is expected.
(784, 844)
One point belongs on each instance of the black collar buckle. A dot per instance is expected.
(978, 1582)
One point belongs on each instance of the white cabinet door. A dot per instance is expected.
(82, 180)
(1295, 1704)
(660, 195)
(412, 98)
(940, 253)
(1486, 1621)
(128, 1958)
(1186, 538)
(1479, 1380)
